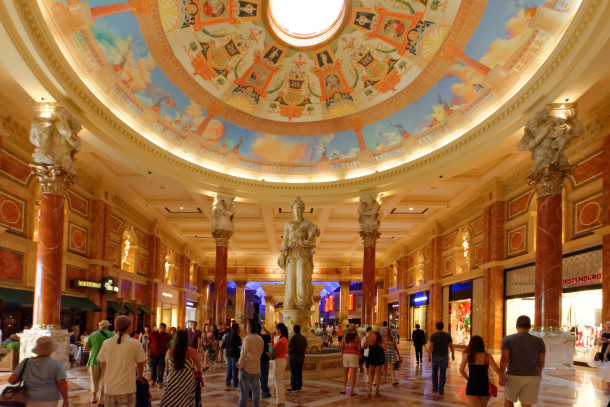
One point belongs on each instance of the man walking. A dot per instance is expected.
(249, 365)
(419, 340)
(296, 353)
(232, 345)
(438, 354)
(194, 336)
(158, 344)
(118, 356)
(523, 359)
(94, 345)
(265, 363)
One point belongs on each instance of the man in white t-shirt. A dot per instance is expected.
(119, 355)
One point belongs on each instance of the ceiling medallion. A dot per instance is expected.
(305, 23)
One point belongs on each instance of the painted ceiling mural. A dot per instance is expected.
(391, 56)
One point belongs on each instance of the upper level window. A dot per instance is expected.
(303, 23)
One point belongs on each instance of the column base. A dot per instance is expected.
(302, 317)
(61, 336)
(559, 351)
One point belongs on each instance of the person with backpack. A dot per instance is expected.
(118, 355)
(94, 345)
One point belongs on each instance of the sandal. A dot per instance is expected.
(342, 392)
(395, 384)
(353, 394)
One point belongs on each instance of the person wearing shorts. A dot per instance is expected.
(523, 360)
(350, 347)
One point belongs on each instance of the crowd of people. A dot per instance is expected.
(117, 362)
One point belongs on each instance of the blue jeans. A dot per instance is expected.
(249, 383)
(232, 372)
(439, 363)
(265, 378)
(296, 375)
(157, 368)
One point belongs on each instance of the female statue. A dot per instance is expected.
(296, 258)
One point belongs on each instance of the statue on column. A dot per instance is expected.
(223, 212)
(369, 213)
(547, 134)
(296, 258)
(55, 136)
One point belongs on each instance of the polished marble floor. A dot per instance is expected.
(580, 389)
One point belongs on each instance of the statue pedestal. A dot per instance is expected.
(302, 317)
(559, 351)
(61, 336)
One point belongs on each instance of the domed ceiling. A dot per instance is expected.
(384, 82)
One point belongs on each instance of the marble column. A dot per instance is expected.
(240, 301)
(343, 299)
(493, 277)
(546, 136)
(403, 317)
(54, 134)
(606, 233)
(382, 304)
(220, 275)
(315, 317)
(205, 299)
(368, 277)
(435, 302)
(269, 313)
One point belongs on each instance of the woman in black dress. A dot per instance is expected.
(479, 361)
(377, 347)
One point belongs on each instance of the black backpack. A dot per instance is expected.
(142, 393)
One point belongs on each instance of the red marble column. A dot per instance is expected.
(493, 278)
(548, 183)
(606, 237)
(220, 275)
(368, 277)
(49, 253)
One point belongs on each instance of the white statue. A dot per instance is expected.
(56, 140)
(298, 247)
(369, 213)
(126, 251)
(465, 245)
(223, 212)
(546, 136)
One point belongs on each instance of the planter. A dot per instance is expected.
(9, 359)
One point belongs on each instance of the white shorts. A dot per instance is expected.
(351, 360)
(522, 388)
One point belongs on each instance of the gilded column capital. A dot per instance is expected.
(53, 179)
(222, 237)
(316, 298)
(240, 284)
(370, 238)
(269, 298)
(344, 284)
(549, 180)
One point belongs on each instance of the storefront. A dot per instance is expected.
(460, 312)
(581, 307)
(190, 314)
(418, 310)
(167, 306)
(393, 314)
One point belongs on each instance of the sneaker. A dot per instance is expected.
(266, 396)
(291, 390)
(297, 391)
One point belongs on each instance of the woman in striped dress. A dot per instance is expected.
(179, 391)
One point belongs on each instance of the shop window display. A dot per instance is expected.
(460, 321)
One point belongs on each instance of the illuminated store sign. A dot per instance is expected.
(191, 304)
(583, 279)
(168, 295)
(106, 285)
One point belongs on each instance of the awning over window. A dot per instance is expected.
(131, 308)
(16, 298)
(116, 307)
(78, 304)
(146, 310)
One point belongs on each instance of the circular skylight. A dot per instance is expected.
(303, 23)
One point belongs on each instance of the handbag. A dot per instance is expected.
(598, 357)
(492, 389)
(15, 396)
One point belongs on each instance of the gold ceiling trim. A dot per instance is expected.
(464, 25)
(575, 51)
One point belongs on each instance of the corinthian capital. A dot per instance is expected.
(222, 237)
(370, 238)
(54, 133)
(549, 180)
(53, 179)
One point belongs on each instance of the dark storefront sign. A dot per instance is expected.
(419, 299)
(106, 285)
(460, 291)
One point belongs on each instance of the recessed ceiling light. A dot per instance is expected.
(410, 209)
(182, 207)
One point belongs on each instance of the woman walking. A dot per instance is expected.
(207, 340)
(376, 359)
(280, 347)
(144, 336)
(45, 377)
(180, 388)
(350, 347)
(391, 356)
(477, 386)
